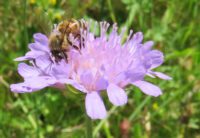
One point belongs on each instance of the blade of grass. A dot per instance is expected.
(112, 13)
(139, 108)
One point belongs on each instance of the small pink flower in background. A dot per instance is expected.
(103, 64)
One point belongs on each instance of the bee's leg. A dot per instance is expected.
(74, 46)
(77, 48)
(57, 55)
(64, 55)
(81, 39)
(83, 42)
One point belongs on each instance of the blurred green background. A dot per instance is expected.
(174, 25)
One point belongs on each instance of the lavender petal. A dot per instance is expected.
(148, 88)
(27, 71)
(162, 76)
(94, 106)
(116, 95)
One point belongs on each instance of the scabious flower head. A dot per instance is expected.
(104, 63)
(41, 72)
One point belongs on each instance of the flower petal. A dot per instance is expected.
(41, 38)
(32, 84)
(22, 58)
(120, 77)
(44, 63)
(136, 73)
(101, 84)
(116, 95)
(156, 58)
(40, 82)
(147, 46)
(20, 88)
(138, 37)
(41, 43)
(27, 71)
(86, 78)
(75, 84)
(162, 76)
(148, 88)
(60, 70)
(94, 106)
(30, 55)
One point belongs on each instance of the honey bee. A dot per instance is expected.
(59, 42)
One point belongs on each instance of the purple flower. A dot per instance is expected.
(104, 63)
(38, 48)
(41, 72)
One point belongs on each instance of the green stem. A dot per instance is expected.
(112, 13)
(88, 127)
(139, 108)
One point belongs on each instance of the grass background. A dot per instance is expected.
(174, 25)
